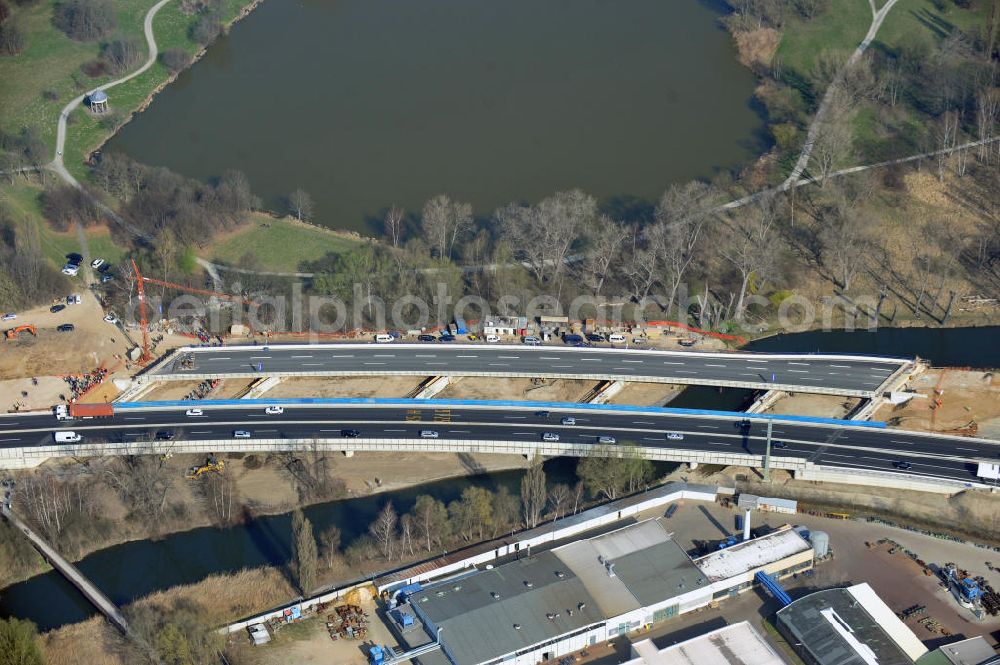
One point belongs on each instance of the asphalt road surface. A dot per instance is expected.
(840, 374)
(851, 447)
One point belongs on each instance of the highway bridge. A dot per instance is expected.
(803, 445)
(832, 374)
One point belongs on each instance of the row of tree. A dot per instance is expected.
(478, 514)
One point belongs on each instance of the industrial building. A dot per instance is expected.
(737, 644)
(973, 651)
(848, 626)
(559, 601)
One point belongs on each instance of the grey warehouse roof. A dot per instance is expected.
(478, 613)
(833, 626)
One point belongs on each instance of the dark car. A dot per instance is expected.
(74, 258)
(57, 308)
(66, 327)
(165, 435)
(395, 334)
(426, 338)
(446, 338)
(350, 433)
(105, 267)
(106, 278)
(573, 340)
(779, 444)
(903, 466)
(542, 414)
(594, 337)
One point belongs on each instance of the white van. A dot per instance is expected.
(616, 338)
(241, 434)
(67, 437)
(383, 338)
(492, 339)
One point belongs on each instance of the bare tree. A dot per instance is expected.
(329, 542)
(142, 482)
(750, 246)
(300, 204)
(443, 221)
(406, 529)
(680, 218)
(605, 240)
(845, 240)
(833, 139)
(946, 133)
(542, 235)
(533, 494)
(394, 224)
(560, 498)
(383, 529)
(987, 113)
(430, 520)
(220, 491)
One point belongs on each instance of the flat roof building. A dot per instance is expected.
(738, 644)
(848, 626)
(973, 651)
(559, 601)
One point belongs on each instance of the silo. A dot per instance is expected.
(821, 543)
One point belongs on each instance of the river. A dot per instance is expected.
(138, 568)
(370, 103)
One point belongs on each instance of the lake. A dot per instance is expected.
(370, 103)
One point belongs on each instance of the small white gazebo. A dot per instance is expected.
(98, 101)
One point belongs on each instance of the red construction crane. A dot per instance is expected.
(146, 355)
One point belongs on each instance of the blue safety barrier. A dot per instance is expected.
(439, 403)
(773, 587)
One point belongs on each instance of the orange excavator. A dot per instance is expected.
(14, 332)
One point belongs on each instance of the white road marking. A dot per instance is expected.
(226, 358)
(632, 361)
(394, 430)
(134, 418)
(301, 356)
(499, 364)
(466, 356)
(708, 427)
(508, 357)
(792, 362)
(312, 364)
(346, 355)
(260, 357)
(799, 371)
(373, 363)
(841, 366)
(716, 443)
(549, 358)
(205, 432)
(711, 365)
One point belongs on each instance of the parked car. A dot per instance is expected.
(568, 420)
(107, 277)
(674, 436)
(395, 334)
(594, 337)
(492, 339)
(110, 317)
(96, 263)
(616, 338)
(9, 316)
(241, 434)
(350, 433)
(428, 434)
(194, 412)
(66, 327)
(165, 435)
(55, 309)
(70, 269)
(74, 299)
(104, 268)
(426, 338)
(573, 340)
(550, 436)
(446, 338)
(531, 340)
(274, 410)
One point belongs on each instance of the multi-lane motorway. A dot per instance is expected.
(826, 444)
(859, 376)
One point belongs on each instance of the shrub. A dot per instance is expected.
(85, 20)
(122, 55)
(175, 59)
(4, 11)
(206, 30)
(50, 95)
(94, 68)
(11, 39)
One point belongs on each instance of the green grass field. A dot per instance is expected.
(280, 244)
(23, 199)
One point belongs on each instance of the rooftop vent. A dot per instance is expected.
(550, 616)
(439, 594)
(495, 595)
(560, 574)
(457, 587)
(580, 606)
(529, 583)
(517, 626)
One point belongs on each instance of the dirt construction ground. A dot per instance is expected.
(347, 386)
(817, 406)
(554, 390)
(965, 396)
